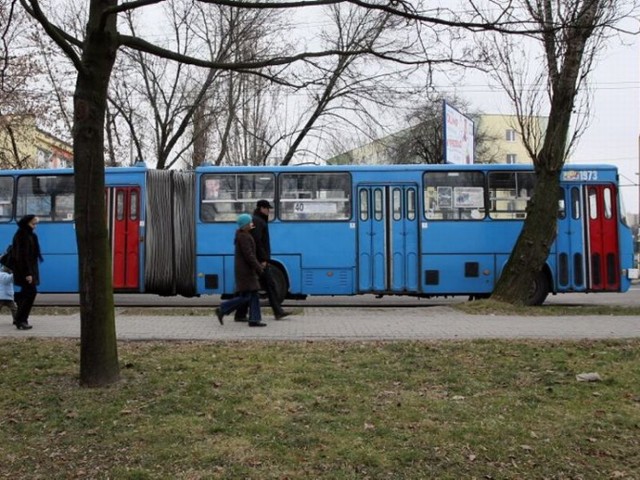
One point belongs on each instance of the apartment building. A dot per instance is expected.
(24, 145)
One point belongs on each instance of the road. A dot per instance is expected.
(630, 298)
(344, 319)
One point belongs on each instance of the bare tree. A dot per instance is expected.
(244, 133)
(56, 109)
(200, 135)
(571, 32)
(349, 88)
(33, 93)
(19, 102)
(152, 94)
(247, 136)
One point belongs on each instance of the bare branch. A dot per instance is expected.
(8, 19)
(144, 46)
(61, 38)
(128, 6)
(406, 11)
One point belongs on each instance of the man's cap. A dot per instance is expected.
(263, 204)
(243, 220)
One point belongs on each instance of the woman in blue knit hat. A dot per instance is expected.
(247, 271)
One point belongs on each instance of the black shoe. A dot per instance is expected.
(281, 315)
(257, 324)
(219, 314)
(24, 326)
(240, 319)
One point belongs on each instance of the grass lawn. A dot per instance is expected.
(492, 307)
(331, 410)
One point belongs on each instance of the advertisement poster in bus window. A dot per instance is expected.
(444, 197)
(468, 197)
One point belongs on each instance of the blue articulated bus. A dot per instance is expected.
(419, 230)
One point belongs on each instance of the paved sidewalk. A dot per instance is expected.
(363, 323)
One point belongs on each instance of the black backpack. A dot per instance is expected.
(7, 259)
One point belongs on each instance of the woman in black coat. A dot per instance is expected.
(26, 272)
(247, 270)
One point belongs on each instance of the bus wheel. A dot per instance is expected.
(539, 290)
(280, 282)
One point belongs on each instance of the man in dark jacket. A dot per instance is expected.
(263, 251)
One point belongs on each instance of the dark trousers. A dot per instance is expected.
(245, 300)
(267, 282)
(24, 299)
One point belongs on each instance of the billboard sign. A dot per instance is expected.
(458, 136)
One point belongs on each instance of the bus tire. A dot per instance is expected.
(280, 282)
(539, 290)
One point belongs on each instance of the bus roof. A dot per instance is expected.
(322, 168)
(69, 170)
(383, 168)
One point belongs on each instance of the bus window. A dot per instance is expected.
(50, 197)
(593, 204)
(314, 196)
(454, 195)
(64, 207)
(364, 205)
(6, 195)
(120, 205)
(607, 203)
(562, 210)
(396, 201)
(378, 204)
(575, 203)
(509, 193)
(133, 209)
(224, 196)
(411, 204)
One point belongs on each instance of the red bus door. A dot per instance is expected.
(602, 233)
(123, 205)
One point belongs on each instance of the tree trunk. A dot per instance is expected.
(533, 245)
(532, 248)
(98, 350)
